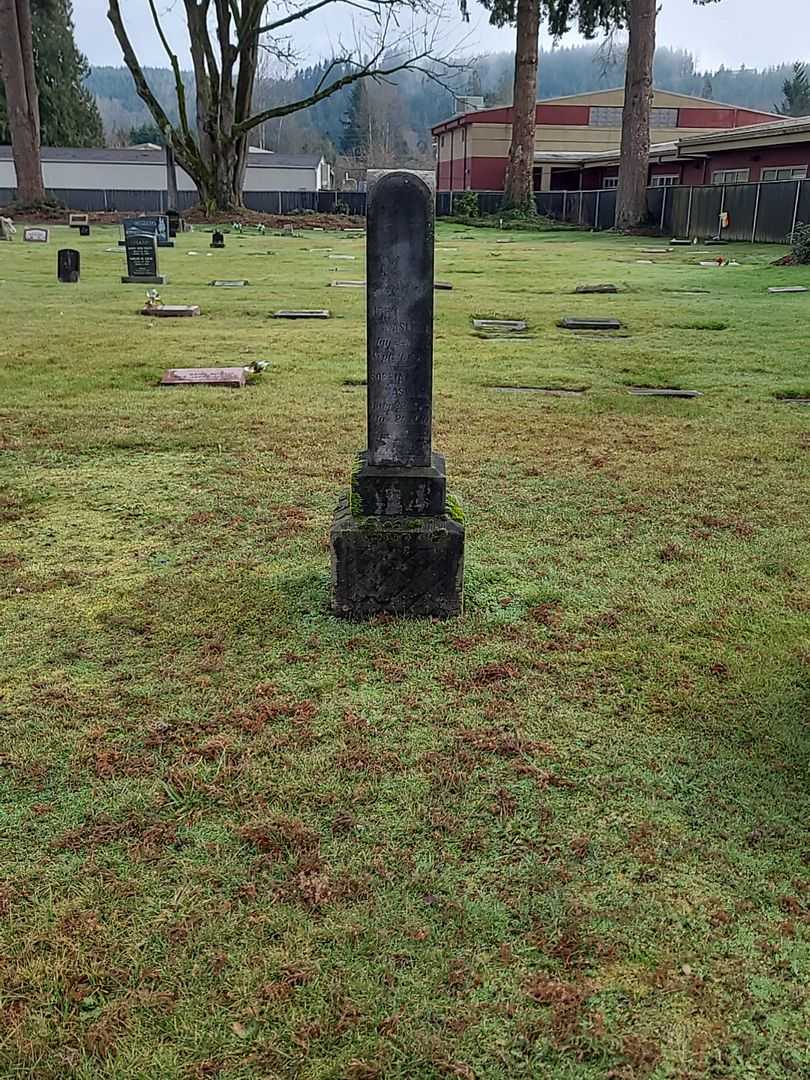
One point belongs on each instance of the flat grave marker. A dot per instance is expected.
(142, 262)
(316, 313)
(238, 283)
(787, 289)
(550, 391)
(170, 311)
(512, 325)
(663, 391)
(233, 377)
(604, 288)
(36, 235)
(347, 285)
(68, 265)
(588, 322)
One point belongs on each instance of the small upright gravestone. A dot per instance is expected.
(142, 263)
(156, 224)
(174, 220)
(218, 240)
(75, 220)
(84, 230)
(396, 546)
(35, 236)
(68, 264)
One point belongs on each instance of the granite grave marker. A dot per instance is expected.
(142, 262)
(35, 236)
(397, 542)
(68, 265)
(218, 240)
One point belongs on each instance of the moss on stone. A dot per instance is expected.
(455, 510)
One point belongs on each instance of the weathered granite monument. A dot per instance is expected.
(397, 542)
(68, 265)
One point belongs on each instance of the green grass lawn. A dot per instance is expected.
(564, 836)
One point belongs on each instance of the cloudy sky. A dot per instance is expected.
(732, 32)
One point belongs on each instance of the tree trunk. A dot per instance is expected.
(519, 188)
(634, 163)
(22, 99)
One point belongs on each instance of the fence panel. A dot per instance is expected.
(677, 218)
(706, 202)
(803, 209)
(740, 203)
(775, 213)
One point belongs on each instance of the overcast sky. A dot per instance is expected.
(733, 32)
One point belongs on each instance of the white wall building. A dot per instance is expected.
(144, 169)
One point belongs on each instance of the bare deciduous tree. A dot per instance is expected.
(225, 39)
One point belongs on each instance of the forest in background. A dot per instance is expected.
(378, 123)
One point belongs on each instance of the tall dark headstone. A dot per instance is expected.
(397, 544)
(173, 218)
(68, 264)
(142, 264)
(218, 240)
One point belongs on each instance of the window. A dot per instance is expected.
(663, 118)
(610, 182)
(731, 176)
(610, 116)
(664, 181)
(786, 172)
(606, 116)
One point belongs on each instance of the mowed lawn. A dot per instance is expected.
(564, 836)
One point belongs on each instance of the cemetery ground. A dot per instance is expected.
(562, 836)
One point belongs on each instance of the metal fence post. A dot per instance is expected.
(795, 209)
(565, 205)
(580, 206)
(596, 212)
(689, 212)
(663, 208)
(756, 215)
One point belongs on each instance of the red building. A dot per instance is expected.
(574, 135)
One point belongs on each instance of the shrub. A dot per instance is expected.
(801, 244)
(465, 205)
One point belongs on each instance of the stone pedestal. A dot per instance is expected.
(396, 565)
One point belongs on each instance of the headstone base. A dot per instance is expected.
(396, 565)
(157, 279)
(394, 490)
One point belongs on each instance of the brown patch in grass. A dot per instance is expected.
(712, 523)
(566, 1001)
(493, 673)
(549, 614)
(282, 837)
(503, 743)
(672, 553)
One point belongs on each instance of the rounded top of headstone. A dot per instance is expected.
(376, 179)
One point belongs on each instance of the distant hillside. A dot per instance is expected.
(420, 103)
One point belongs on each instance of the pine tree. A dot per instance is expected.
(797, 93)
(67, 110)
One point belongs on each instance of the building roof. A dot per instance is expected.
(133, 155)
(667, 99)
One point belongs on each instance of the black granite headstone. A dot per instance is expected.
(173, 217)
(218, 240)
(157, 224)
(84, 230)
(68, 264)
(142, 264)
(395, 547)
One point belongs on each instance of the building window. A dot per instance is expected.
(610, 116)
(731, 176)
(664, 181)
(610, 182)
(606, 116)
(786, 172)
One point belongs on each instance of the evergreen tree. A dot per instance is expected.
(67, 109)
(797, 93)
(146, 133)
